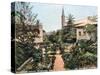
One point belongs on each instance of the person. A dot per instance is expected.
(58, 63)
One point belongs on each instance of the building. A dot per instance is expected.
(81, 32)
(63, 18)
(78, 28)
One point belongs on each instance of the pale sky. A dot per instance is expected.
(50, 14)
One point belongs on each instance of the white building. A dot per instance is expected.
(81, 32)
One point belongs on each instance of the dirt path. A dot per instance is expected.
(59, 63)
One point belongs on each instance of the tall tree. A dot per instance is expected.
(70, 19)
(24, 20)
(24, 10)
(69, 30)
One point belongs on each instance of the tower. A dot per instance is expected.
(63, 18)
(63, 24)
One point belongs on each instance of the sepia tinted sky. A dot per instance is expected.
(50, 14)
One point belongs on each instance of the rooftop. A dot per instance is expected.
(84, 22)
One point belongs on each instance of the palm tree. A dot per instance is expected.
(69, 31)
(70, 19)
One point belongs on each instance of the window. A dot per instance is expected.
(84, 33)
(79, 33)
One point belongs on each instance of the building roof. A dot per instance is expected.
(83, 22)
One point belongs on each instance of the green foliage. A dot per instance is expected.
(24, 12)
(70, 19)
(23, 52)
(19, 57)
(37, 55)
(69, 33)
(90, 28)
(54, 37)
(84, 54)
(23, 18)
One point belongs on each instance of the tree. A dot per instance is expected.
(69, 31)
(70, 23)
(24, 20)
(84, 55)
(88, 55)
(24, 11)
(70, 20)
(91, 29)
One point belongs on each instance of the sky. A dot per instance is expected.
(50, 14)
